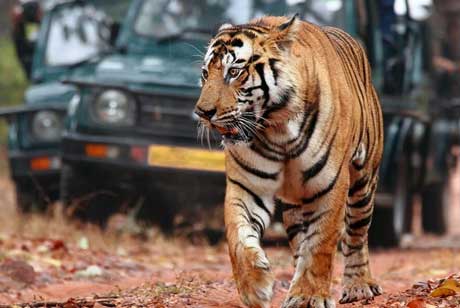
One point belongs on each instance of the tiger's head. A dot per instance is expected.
(244, 83)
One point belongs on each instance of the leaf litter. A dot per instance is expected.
(47, 261)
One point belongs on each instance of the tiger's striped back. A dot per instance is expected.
(355, 62)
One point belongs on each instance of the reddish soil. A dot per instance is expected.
(194, 276)
(48, 259)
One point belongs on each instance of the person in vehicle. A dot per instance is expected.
(23, 15)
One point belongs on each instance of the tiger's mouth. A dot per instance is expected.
(224, 131)
(232, 134)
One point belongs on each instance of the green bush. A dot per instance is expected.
(12, 78)
(12, 81)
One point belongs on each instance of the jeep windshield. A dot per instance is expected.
(173, 19)
(79, 32)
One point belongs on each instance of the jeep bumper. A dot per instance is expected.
(138, 165)
(34, 163)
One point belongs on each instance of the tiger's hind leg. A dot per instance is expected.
(357, 281)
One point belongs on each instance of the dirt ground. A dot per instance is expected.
(51, 262)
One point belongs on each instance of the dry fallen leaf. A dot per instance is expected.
(416, 303)
(451, 284)
(442, 292)
(447, 288)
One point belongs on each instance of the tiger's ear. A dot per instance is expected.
(285, 32)
(288, 24)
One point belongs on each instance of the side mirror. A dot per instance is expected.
(25, 17)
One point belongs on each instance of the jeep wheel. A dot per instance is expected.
(435, 207)
(381, 232)
(392, 221)
(159, 208)
(28, 198)
(84, 198)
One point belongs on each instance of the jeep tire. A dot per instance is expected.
(392, 221)
(82, 196)
(435, 207)
(29, 198)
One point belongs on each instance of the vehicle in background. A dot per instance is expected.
(420, 129)
(130, 133)
(131, 138)
(53, 40)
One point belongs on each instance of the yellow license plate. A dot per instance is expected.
(186, 158)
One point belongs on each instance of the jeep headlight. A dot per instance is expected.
(115, 107)
(47, 125)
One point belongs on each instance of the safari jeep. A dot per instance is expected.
(131, 137)
(53, 40)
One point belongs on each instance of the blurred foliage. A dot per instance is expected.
(12, 80)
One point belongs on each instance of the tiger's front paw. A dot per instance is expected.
(254, 278)
(359, 290)
(297, 301)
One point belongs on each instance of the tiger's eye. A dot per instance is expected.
(205, 74)
(233, 72)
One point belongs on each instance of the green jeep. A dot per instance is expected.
(53, 40)
(131, 138)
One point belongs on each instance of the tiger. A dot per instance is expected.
(301, 129)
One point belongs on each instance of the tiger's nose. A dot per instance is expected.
(205, 114)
